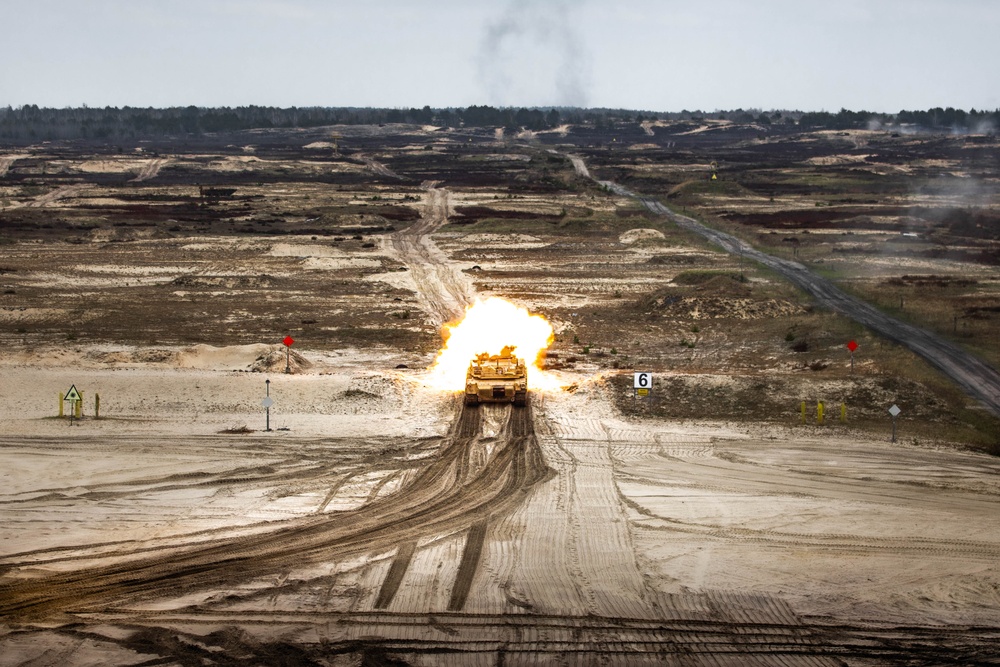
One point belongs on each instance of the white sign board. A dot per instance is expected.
(643, 380)
(267, 402)
(73, 395)
(894, 411)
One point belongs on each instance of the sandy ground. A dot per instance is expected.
(636, 521)
(381, 521)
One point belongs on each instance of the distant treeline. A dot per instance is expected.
(32, 123)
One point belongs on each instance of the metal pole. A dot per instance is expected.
(288, 353)
(894, 429)
(267, 419)
(852, 362)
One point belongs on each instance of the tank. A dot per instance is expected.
(497, 378)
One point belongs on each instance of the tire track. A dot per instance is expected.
(150, 170)
(856, 544)
(439, 500)
(467, 567)
(698, 638)
(55, 195)
(396, 572)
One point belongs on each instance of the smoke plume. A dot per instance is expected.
(533, 56)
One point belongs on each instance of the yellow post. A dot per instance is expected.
(60, 404)
(803, 412)
(819, 412)
(79, 406)
(843, 412)
(97, 406)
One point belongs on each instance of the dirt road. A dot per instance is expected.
(377, 167)
(149, 170)
(7, 161)
(56, 195)
(977, 378)
(442, 287)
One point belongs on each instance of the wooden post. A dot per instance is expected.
(819, 412)
(97, 406)
(843, 412)
(803, 412)
(79, 407)
(60, 404)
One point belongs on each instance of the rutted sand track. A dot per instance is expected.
(447, 495)
(7, 161)
(538, 640)
(567, 549)
(149, 170)
(439, 283)
(543, 570)
(56, 195)
(377, 167)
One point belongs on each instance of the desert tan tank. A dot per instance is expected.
(497, 378)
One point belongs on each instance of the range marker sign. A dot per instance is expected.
(852, 346)
(288, 353)
(894, 411)
(642, 382)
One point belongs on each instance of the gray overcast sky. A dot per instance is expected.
(663, 55)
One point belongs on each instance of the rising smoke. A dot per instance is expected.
(532, 55)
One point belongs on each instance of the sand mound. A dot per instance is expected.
(724, 285)
(633, 235)
(140, 356)
(273, 360)
(714, 307)
(207, 357)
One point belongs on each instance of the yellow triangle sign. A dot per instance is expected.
(73, 394)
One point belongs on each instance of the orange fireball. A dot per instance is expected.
(488, 326)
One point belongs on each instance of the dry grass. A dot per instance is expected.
(237, 430)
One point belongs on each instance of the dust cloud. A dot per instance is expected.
(532, 54)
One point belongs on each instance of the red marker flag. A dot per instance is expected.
(288, 341)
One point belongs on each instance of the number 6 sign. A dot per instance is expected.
(643, 380)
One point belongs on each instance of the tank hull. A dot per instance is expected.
(501, 378)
